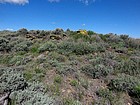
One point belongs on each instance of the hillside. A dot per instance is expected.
(58, 67)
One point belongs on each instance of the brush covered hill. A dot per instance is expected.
(58, 67)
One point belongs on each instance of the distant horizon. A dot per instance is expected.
(101, 16)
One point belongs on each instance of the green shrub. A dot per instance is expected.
(96, 71)
(34, 49)
(121, 50)
(16, 60)
(20, 44)
(104, 37)
(97, 60)
(61, 58)
(124, 37)
(22, 31)
(80, 48)
(37, 70)
(53, 63)
(21, 91)
(28, 97)
(77, 36)
(48, 46)
(65, 46)
(42, 33)
(4, 59)
(91, 32)
(57, 79)
(34, 94)
(124, 83)
(137, 90)
(66, 69)
(105, 93)
(96, 38)
(108, 97)
(84, 83)
(4, 45)
(117, 45)
(23, 46)
(100, 47)
(12, 80)
(55, 89)
(56, 56)
(114, 38)
(83, 48)
(58, 31)
(74, 83)
(130, 66)
(133, 43)
(28, 75)
(68, 101)
(19, 60)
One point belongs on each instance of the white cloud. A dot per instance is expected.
(9, 29)
(21, 2)
(53, 0)
(86, 2)
(83, 24)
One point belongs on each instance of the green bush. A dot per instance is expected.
(104, 37)
(91, 32)
(12, 80)
(4, 45)
(66, 69)
(117, 45)
(27, 97)
(56, 56)
(65, 46)
(137, 90)
(16, 60)
(4, 59)
(114, 38)
(34, 49)
(55, 89)
(83, 48)
(34, 94)
(96, 38)
(74, 83)
(97, 60)
(21, 91)
(124, 83)
(28, 75)
(96, 71)
(23, 46)
(22, 31)
(48, 46)
(58, 31)
(77, 36)
(133, 43)
(53, 63)
(80, 48)
(37, 70)
(129, 66)
(68, 101)
(57, 79)
(124, 37)
(105, 93)
(84, 82)
(109, 97)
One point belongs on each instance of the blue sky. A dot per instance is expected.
(101, 16)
